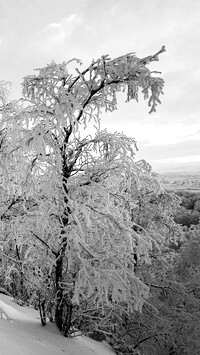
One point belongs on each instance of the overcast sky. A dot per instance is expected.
(34, 32)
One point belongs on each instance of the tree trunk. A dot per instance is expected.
(21, 289)
(67, 321)
(59, 293)
(63, 311)
(42, 310)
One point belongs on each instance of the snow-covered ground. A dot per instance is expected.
(22, 334)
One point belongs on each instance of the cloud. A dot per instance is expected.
(176, 166)
(167, 155)
(169, 134)
(180, 160)
(62, 29)
(55, 35)
(152, 131)
(180, 156)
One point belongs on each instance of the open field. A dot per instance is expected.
(177, 182)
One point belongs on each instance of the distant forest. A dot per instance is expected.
(189, 211)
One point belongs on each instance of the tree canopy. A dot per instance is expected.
(81, 219)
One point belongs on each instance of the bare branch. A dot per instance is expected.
(46, 244)
(153, 57)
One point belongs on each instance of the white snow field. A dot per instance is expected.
(22, 334)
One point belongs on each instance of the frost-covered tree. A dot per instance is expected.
(69, 193)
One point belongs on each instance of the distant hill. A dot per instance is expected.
(180, 173)
(185, 169)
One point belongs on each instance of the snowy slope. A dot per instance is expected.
(22, 334)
